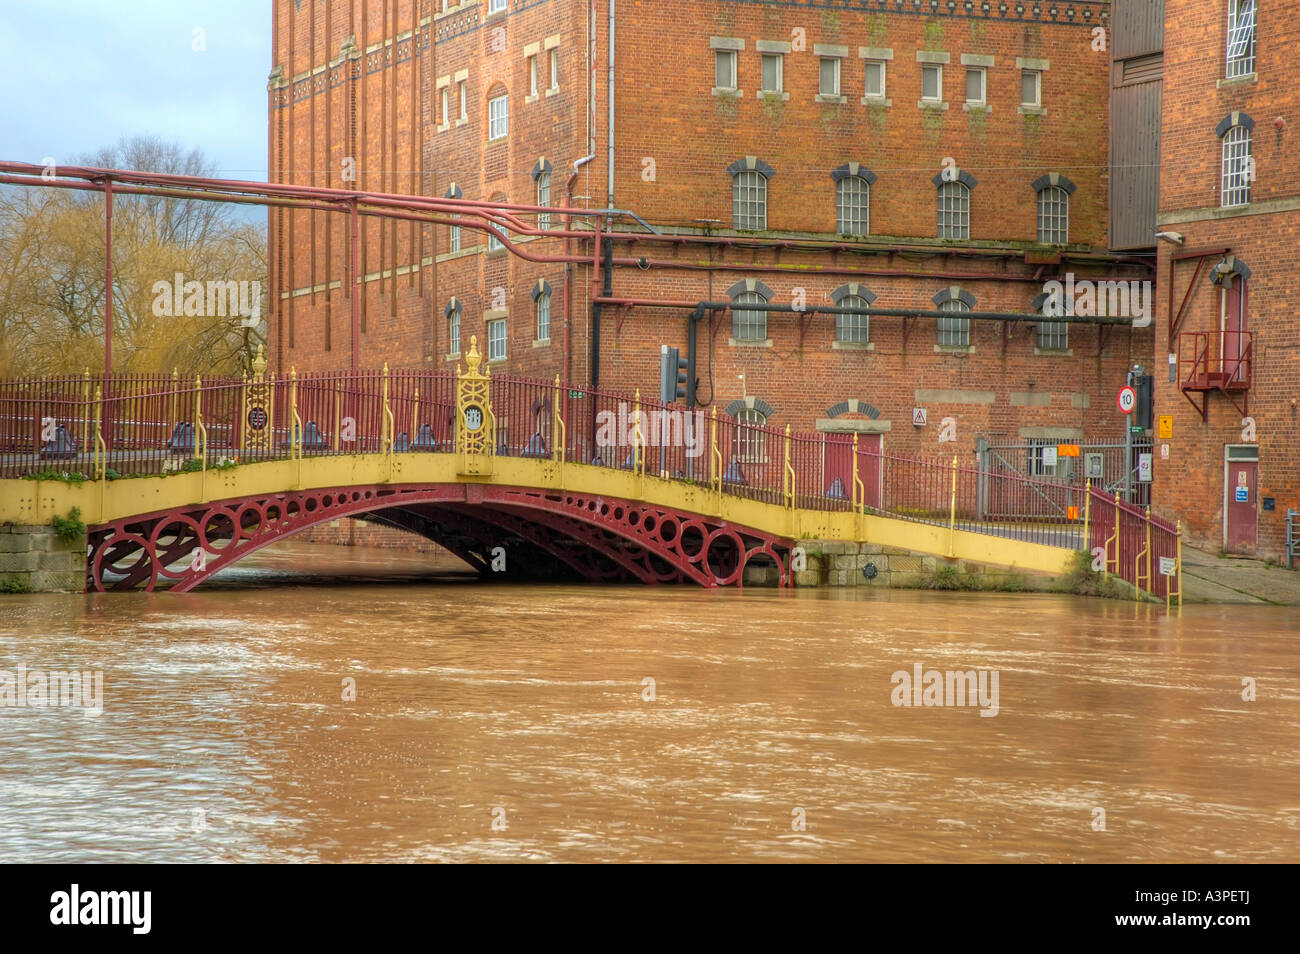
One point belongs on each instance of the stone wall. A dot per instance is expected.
(833, 563)
(35, 559)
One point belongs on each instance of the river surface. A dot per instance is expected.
(507, 723)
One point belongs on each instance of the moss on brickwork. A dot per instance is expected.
(934, 34)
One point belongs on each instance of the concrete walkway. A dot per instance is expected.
(1210, 578)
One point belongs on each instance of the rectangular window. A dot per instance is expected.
(1053, 335)
(975, 86)
(555, 68)
(498, 117)
(830, 76)
(1241, 38)
(532, 76)
(875, 79)
(453, 332)
(453, 238)
(543, 317)
(1031, 92)
(446, 106)
(772, 64)
(496, 6)
(494, 243)
(497, 339)
(724, 69)
(932, 83)
(464, 101)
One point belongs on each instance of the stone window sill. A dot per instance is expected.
(496, 360)
(930, 104)
(454, 356)
(772, 96)
(727, 92)
(542, 343)
(1236, 80)
(853, 346)
(552, 91)
(749, 343)
(832, 98)
(954, 349)
(462, 121)
(977, 107)
(876, 101)
(531, 99)
(1054, 352)
(1031, 110)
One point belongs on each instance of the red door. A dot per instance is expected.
(838, 466)
(1241, 508)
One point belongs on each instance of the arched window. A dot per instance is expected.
(1054, 191)
(544, 198)
(749, 192)
(852, 329)
(1054, 216)
(954, 332)
(542, 297)
(954, 210)
(1238, 166)
(853, 206)
(453, 327)
(542, 176)
(748, 324)
(751, 443)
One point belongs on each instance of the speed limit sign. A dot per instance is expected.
(1127, 400)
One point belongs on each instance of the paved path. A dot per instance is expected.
(1209, 578)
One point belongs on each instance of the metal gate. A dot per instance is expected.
(1039, 460)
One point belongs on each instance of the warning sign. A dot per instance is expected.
(1165, 427)
(918, 417)
(1168, 566)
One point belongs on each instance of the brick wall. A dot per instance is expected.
(1262, 234)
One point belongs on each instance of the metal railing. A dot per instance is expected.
(1143, 550)
(157, 424)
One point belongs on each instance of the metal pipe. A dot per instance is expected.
(609, 187)
(355, 285)
(568, 267)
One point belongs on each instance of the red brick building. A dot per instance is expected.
(1230, 208)
(860, 155)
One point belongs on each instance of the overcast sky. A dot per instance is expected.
(79, 75)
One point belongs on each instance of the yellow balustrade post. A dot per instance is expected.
(241, 431)
(1178, 566)
(1145, 553)
(176, 393)
(788, 477)
(197, 410)
(295, 427)
(952, 512)
(638, 445)
(559, 432)
(859, 493)
(100, 459)
(200, 438)
(415, 417)
(717, 454)
(1087, 512)
(388, 428)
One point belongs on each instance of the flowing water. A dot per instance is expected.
(628, 723)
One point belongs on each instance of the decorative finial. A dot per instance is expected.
(473, 359)
(259, 362)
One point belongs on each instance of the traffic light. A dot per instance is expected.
(1142, 383)
(673, 374)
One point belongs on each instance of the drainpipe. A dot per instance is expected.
(568, 267)
(609, 189)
